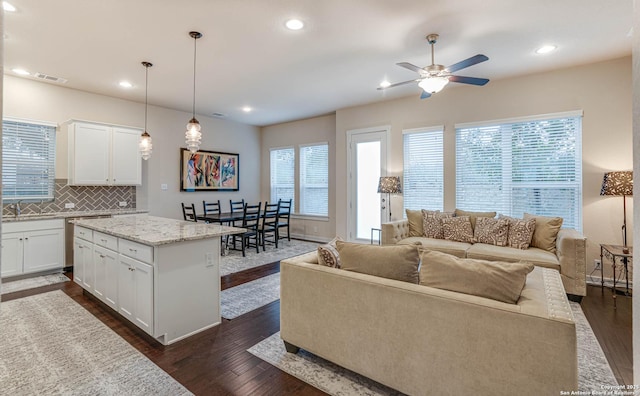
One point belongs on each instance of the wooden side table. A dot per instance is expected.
(614, 252)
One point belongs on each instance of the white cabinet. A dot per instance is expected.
(32, 246)
(101, 154)
(105, 283)
(135, 292)
(83, 271)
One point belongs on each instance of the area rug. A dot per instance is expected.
(594, 371)
(52, 346)
(246, 297)
(234, 262)
(32, 283)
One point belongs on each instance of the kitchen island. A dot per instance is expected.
(161, 274)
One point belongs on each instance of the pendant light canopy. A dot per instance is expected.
(193, 136)
(145, 139)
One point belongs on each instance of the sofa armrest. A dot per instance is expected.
(572, 255)
(395, 231)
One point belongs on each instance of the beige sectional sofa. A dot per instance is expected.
(569, 259)
(426, 341)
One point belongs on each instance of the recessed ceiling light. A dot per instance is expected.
(21, 72)
(8, 6)
(125, 84)
(545, 49)
(385, 84)
(246, 109)
(294, 24)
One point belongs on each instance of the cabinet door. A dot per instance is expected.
(105, 284)
(89, 164)
(43, 250)
(78, 260)
(126, 167)
(126, 287)
(11, 254)
(144, 296)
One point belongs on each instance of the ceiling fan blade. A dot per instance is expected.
(469, 80)
(396, 84)
(425, 95)
(410, 66)
(474, 60)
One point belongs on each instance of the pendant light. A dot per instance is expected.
(145, 139)
(193, 136)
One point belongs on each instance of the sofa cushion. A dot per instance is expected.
(432, 223)
(546, 232)
(458, 249)
(501, 281)
(457, 229)
(473, 215)
(328, 254)
(491, 231)
(415, 223)
(520, 232)
(398, 262)
(536, 256)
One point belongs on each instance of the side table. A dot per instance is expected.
(613, 252)
(379, 231)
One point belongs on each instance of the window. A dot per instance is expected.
(531, 165)
(282, 174)
(314, 179)
(28, 160)
(423, 184)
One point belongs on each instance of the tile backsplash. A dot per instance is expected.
(84, 197)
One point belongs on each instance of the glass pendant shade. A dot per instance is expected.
(433, 84)
(145, 146)
(192, 136)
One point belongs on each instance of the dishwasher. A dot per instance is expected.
(68, 238)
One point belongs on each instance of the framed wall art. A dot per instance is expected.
(209, 171)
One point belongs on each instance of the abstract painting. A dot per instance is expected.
(209, 171)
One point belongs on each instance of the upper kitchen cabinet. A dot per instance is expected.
(101, 154)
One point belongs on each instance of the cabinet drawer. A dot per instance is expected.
(105, 240)
(136, 250)
(83, 233)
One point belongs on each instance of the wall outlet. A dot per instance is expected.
(69, 205)
(596, 264)
(122, 204)
(164, 186)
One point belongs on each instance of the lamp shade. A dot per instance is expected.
(389, 184)
(617, 183)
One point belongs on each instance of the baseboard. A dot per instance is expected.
(311, 238)
(608, 282)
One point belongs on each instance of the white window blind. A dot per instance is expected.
(423, 185)
(516, 166)
(314, 179)
(28, 160)
(283, 175)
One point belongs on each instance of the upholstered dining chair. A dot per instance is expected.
(284, 216)
(189, 212)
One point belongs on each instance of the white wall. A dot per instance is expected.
(293, 134)
(25, 98)
(636, 193)
(606, 132)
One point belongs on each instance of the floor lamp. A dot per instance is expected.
(619, 183)
(389, 185)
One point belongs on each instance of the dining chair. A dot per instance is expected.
(250, 222)
(235, 207)
(189, 212)
(269, 226)
(284, 216)
(211, 207)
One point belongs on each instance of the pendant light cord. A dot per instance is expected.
(146, 94)
(195, 39)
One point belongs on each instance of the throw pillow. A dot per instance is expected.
(398, 262)
(546, 231)
(473, 215)
(491, 231)
(415, 223)
(328, 254)
(432, 223)
(457, 229)
(520, 232)
(496, 280)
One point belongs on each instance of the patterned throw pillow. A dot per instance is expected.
(457, 229)
(520, 232)
(491, 231)
(328, 254)
(432, 223)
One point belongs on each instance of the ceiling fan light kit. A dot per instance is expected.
(193, 136)
(434, 78)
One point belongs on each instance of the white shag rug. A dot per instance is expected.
(246, 297)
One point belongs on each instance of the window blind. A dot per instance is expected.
(28, 160)
(314, 179)
(513, 167)
(282, 175)
(423, 184)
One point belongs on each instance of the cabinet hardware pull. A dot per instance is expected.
(133, 250)
(20, 239)
(102, 256)
(103, 240)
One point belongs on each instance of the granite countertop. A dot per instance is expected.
(151, 230)
(65, 215)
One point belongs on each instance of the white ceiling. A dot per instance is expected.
(247, 57)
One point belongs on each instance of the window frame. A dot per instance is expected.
(300, 180)
(271, 169)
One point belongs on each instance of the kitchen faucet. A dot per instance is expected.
(16, 208)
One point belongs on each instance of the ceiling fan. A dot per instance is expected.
(434, 77)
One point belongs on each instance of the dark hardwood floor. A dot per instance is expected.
(215, 362)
